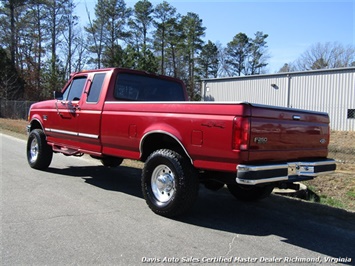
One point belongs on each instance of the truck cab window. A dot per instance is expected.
(96, 87)
(75, 89)
(132, 87)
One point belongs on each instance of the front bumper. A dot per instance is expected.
(284, 172)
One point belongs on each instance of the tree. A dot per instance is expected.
(115, 31)
(326, 55)
(31, 38)
(70, 39)
(319, 64)
(245, 55)
(287, 67)
(174, 47)
(11, 85)
(113, 56)
(208, 60)
(55, 24)
(11, 7)
(237, 52)
(193, 31)
(166, 19)
(223, 66)
(140, 23)
(108, 29)
(147, 61)
(81, 55)
(95, 34)
(257, 54)
(140, 60)
(31, 34)
(40, 39)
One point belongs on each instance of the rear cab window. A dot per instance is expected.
(133, 87)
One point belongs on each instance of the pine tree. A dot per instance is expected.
(107, 30)
(193, 31)
(237, 52)
(208, 60)
(165, 16)
(257, 54)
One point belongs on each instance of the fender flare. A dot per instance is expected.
(35, 119)
(158, 131)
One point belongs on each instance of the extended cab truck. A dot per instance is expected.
(112, 114)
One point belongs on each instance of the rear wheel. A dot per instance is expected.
(111, 161)
(39, 153)
(250, 193)
(169, 183)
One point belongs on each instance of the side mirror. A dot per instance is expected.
(58, 95)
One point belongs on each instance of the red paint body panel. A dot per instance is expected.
(205, 130)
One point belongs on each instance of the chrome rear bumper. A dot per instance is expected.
(289, 172)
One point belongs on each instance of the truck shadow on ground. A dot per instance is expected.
(122, 179)
(307, 225)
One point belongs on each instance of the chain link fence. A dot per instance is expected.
(14, 109)
(342, 146)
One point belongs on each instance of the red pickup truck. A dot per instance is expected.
(115, 113)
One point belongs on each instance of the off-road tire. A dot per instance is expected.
(111, 161)
(39, 153)
(169, 183)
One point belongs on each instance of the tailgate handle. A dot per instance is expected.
(296, 117)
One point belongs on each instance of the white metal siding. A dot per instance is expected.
(250, 90)
(331, 91)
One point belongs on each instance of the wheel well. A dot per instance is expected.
(157, 141)
(35, 124)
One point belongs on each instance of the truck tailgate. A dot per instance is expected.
(285, 134)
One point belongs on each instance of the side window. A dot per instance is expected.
(75, 89)
(95, 88)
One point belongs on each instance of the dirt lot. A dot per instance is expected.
(337, 189)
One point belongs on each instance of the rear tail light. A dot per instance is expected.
(241, 133)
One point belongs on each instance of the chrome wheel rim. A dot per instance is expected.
(163, 183)
(34, 150)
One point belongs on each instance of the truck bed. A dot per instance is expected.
(206, 129)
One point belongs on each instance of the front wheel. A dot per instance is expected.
(250, 193)
(39, 153)
(169, 183)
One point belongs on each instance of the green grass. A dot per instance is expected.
(330, 201)
(351, 194)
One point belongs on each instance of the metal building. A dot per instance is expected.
(330, 90)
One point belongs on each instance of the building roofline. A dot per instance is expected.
(342, 69)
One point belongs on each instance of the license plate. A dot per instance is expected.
(300, 169)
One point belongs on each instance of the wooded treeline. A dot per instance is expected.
(42, 42)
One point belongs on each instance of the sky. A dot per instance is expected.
(292, 26)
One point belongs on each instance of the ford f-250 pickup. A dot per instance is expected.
(115, 113)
